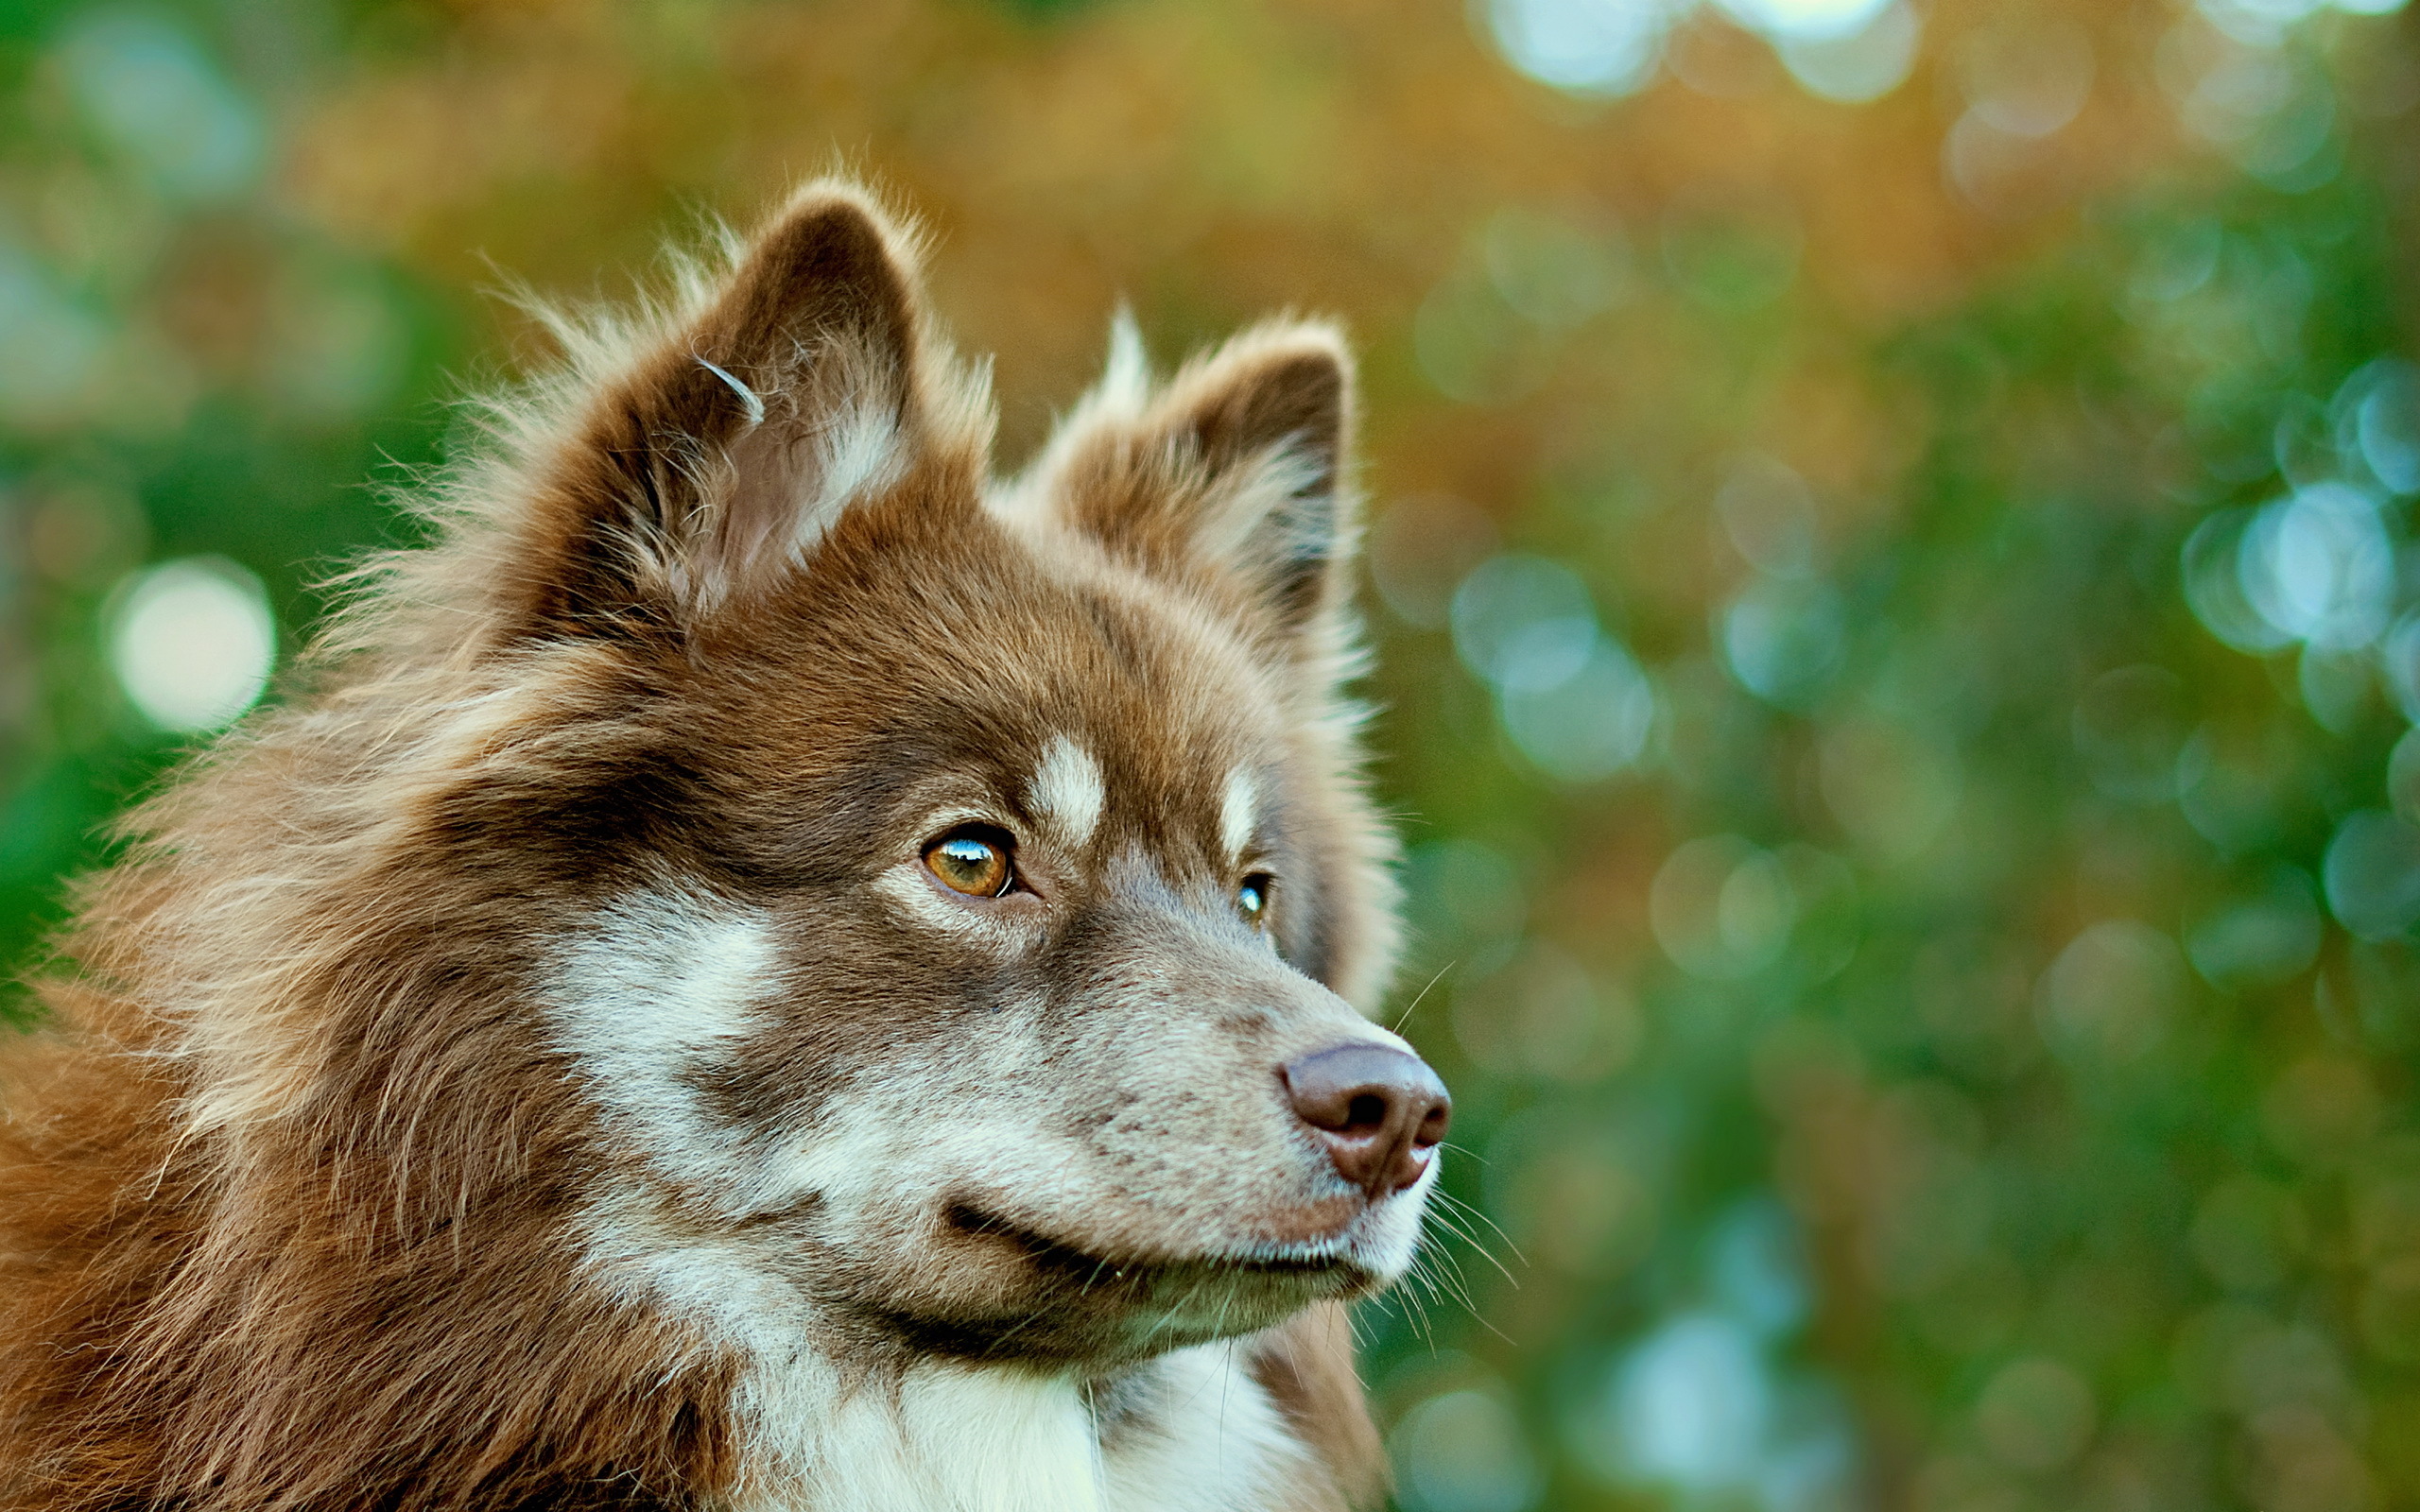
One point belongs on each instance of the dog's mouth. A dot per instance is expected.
(1329, 1258)
(1049, 1300)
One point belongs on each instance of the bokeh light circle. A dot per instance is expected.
(191, 642)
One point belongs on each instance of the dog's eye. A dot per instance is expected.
(975, 860)
(1252, 898)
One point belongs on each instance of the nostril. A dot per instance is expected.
(1379, 1110)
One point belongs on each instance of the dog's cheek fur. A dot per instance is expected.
(302, 1282)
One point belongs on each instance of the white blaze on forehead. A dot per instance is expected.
(1239, 810)
(1066, 790)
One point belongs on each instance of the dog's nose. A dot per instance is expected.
(1379, 1110)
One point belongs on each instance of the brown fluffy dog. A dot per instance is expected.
(765, 969)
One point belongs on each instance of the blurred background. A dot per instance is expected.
(1893, 564)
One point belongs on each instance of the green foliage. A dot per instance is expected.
(2001, 964)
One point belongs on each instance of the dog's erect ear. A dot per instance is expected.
(715, 447)
(1237, 466)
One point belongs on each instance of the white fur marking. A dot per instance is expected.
(660, 982)
(1216, 1444)
(948, 1437)
(1239, 811)
(747, 395)
(959, 1438)
(1067, 790)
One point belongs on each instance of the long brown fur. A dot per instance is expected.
(302, 1191)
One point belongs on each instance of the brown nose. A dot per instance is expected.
(1379, 1110)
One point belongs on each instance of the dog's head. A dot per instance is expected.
(960, 887)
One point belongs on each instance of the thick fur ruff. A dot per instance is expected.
(542, 1063)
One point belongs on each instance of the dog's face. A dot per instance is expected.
(957, 880)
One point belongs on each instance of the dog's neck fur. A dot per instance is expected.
(1189, 1432)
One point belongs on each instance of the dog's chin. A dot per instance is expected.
(1010, 1291)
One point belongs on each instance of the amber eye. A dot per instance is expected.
(1252, 898)
(973, 861)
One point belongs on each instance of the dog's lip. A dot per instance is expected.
(1329, 1254)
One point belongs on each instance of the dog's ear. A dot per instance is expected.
(714, 447)
(1239, 467)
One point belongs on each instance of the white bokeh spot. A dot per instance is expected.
(1588, 47)
(1810, 18)
(192, 642)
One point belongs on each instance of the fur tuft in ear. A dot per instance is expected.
(718, 442)
(1237, 466)
(1276, 403)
